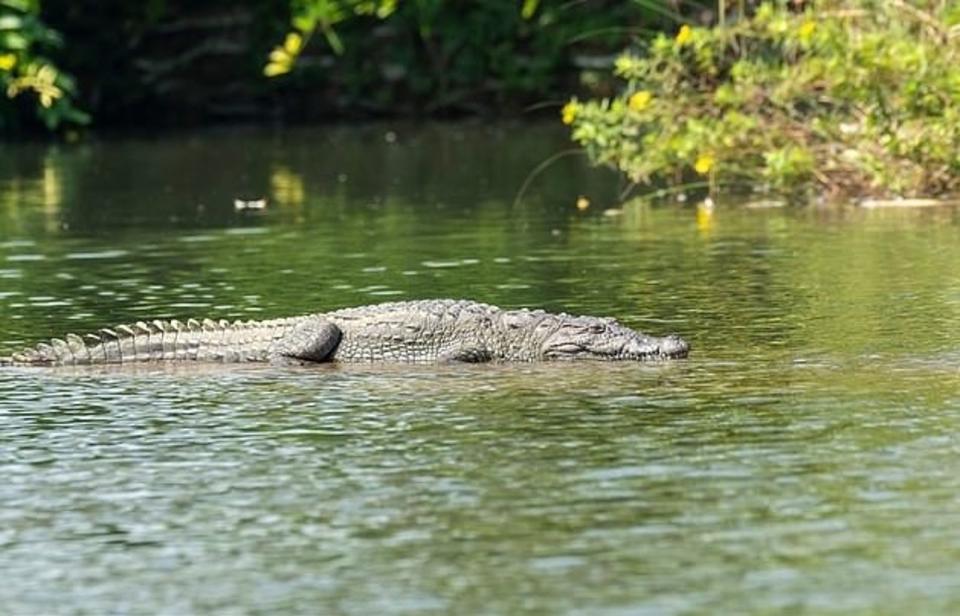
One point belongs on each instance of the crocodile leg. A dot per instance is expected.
(311, 340)
(466, 354)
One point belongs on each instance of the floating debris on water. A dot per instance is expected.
(879, 203)
(249, 204)
(764, 204)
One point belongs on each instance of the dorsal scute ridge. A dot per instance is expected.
(46, 351)
(81, 353)
(29, 355)
(62, 350)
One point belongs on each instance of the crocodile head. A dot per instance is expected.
(605, 339)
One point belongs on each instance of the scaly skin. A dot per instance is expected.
(421, 331)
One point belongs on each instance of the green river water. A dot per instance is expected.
(804, 459)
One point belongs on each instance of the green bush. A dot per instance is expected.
(441, 56)
(844, 97)
(163, 62)
(28, 78)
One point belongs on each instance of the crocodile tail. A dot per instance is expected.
(121, 344)
(157, 340)
(43, 354)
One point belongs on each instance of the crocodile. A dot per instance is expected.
(419, 331)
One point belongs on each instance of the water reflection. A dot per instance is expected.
(42, 193)
(287, 187)
(542, 475)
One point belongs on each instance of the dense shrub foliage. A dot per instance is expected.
(187, 62)
(30, 81)
(441, 56)
(842, 96)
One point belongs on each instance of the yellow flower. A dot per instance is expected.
(276, 68)
(640, 100)
(684, 35)
(280, 62)
(293, 43)
(806, 30)
(7, 61)
(282, 57)
(39, 78)
(569, 112)
(704, 163)
(47, 74)
(625, 65)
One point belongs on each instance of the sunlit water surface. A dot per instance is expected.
(805, 458)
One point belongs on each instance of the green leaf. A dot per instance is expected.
(333, 39)
(24, 6)
(304, 23)
(11, 22)
(13, 41)
(529, 8)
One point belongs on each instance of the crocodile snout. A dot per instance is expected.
(674, 346)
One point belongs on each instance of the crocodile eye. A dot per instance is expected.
(597, 329)
(566, 348)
